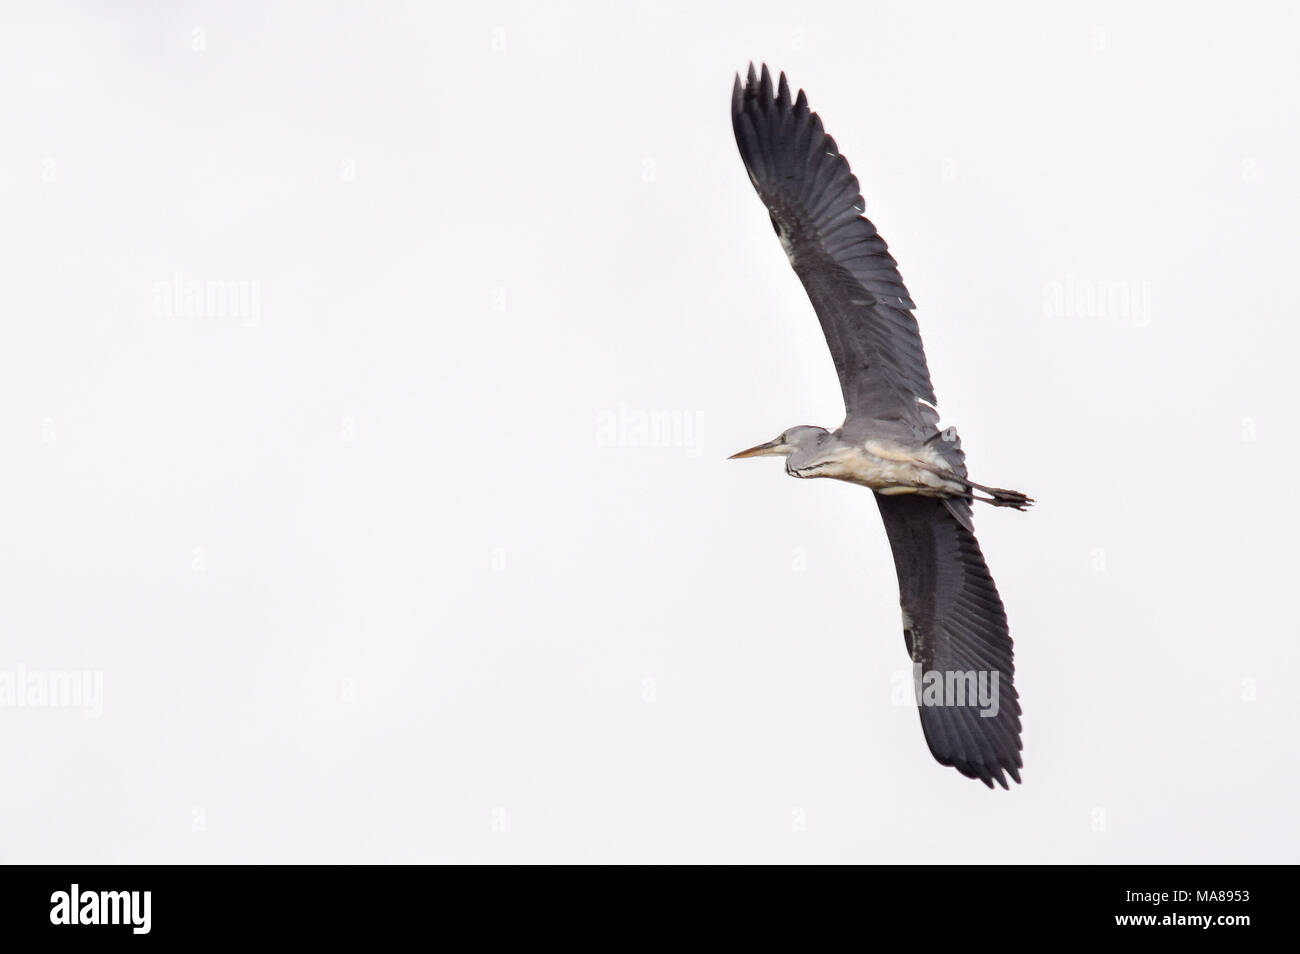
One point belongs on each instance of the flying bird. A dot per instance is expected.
(954, 624)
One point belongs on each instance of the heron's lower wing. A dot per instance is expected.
(956, 633)
(816, 206)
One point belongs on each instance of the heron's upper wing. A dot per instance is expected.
(953, 622)
(816, 207)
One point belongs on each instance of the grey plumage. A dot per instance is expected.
(957, 625)
(954, 621)
(815, 204)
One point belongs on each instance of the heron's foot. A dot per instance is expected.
(1004, 498)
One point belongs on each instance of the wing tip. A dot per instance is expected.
(765, 89)
(987, 772)
(959, 741)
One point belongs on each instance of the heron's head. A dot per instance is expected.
(805, 448)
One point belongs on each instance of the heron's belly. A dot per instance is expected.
(894, 469)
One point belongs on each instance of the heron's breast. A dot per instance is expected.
(891, 468)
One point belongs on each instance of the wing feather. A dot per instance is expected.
(954, 622)
(816, 204)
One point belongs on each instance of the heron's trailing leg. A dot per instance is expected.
(996, 495)
(999, 497)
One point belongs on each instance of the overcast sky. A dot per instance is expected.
(370, 372)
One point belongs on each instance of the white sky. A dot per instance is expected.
(366, 578)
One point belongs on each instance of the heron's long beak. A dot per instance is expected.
(771, 447)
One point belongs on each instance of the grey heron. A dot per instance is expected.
(954, 624)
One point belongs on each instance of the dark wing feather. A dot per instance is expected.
(816, 206)
(954, 622)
